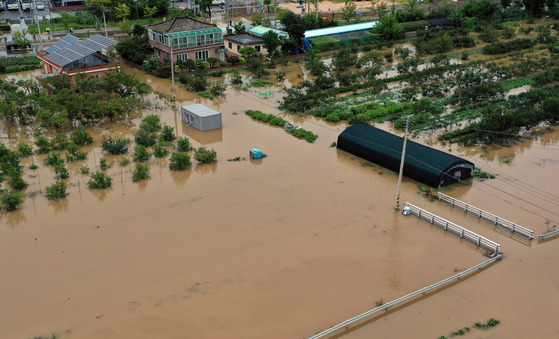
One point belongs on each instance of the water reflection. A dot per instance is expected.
(202, 137)
(101, 194)
(180, 177)
(60, 205)
(13, 218)
(205, 168)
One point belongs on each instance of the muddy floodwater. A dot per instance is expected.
(281, 247)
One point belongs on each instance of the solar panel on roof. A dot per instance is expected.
(66, 41)
(80, 49)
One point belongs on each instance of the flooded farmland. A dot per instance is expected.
(282, 247)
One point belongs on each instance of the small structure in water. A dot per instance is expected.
(201, 117)
(422, 163)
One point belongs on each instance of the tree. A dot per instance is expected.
(149, 12)
(483, 10)
(179, 162)
(122, 11)
(348, 11)
(205, 155)
(271, 41)
(136, 49)
(57, 190)
(20, 39)
(141, 172)
(99, 180)
(11, 200)
(247, 51)
(239, 28)
(388, 29)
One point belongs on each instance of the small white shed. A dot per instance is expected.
(201, 117)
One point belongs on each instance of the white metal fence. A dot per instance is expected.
(364, 317)
(454, 228)
(528, 233)
(548, 235)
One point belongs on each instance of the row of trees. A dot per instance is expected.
(58, 101)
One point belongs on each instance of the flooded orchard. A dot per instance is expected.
(281, 247)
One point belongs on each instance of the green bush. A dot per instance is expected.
(115, 146)
(141, 172)
(506, 47)
(167, 133)
(99, 180)
(179, 162)
(103, 164)
(54, 159)
(145, 138)
(141, 154)
(183, 144)
(24, 149)
(205, 156)
(80, 136)
(43, 145)
(160, 151)
(15, 180)
(56, 191)
(304, 134)
(62, 171)
(59, 142)
(11, 200)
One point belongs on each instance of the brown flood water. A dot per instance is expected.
(282, 247)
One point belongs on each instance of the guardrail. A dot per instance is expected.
(548, 235)
(452, 227)
(514, 228)
(364, 317)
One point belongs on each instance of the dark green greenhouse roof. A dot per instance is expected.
(424, 164)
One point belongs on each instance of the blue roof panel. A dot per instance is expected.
(315, 33)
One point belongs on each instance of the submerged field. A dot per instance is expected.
(282, 247)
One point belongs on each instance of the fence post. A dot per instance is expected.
(419, 212)
(496, 220)
(446, 226)
(466, 209)
(479, 215)
(432, 219)
(478, 241)
(462, 233)
(452, 203)
(513, 228)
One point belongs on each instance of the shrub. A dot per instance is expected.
(59, 142)
(304, 134)
(15, 180)
(80, 136)
(151, 123)
(103, 164)
(24, 149)
(218, 88)
(145, 138)
(99, 180)
(43, 145)
(62, 171)
(183, 144)
(124, 162)
(160, 151)
(115, 146)
(84, 170)
(11, 200)
(141, 172)
(167, 133)
(54, 159)
(179, 162)
(56, 191)
(205, 156)
(141, 154)
(33, 167)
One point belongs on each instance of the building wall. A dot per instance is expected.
(160, 51)
(233, 48)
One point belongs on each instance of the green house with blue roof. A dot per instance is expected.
(185, 38)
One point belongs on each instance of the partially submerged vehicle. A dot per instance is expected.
(256, 153)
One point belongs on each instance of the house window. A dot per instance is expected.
(238, 47)
(203, 55)
(257, 48)
(210, 38)
(182, 57)
(201, 39)
(230, 45)
(159, 53)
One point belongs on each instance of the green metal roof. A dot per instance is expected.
(424, 164)
(314, 33)
(202, 31)
(260, 30)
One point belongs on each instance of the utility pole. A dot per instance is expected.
(227, 16)
(172, 68)
(34, 9)
(105, 21)
(402, 161)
